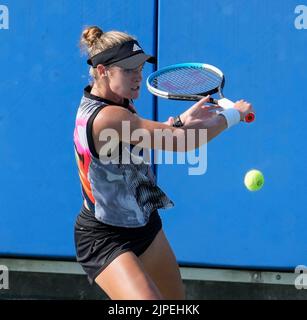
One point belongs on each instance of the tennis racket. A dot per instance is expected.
(191, 81)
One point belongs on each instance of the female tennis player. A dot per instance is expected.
(119, 238)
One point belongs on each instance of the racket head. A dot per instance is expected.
(186, 81)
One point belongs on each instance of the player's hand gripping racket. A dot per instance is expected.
(191, 81)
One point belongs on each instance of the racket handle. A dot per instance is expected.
(227, 104)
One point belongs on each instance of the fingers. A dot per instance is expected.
(201, 102)
(245, 103)
(244, 108)
(212, 108)
(204, 100)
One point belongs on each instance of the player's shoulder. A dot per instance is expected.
(111, 115)
(113, 110)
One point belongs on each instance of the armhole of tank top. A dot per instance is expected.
(89, 132)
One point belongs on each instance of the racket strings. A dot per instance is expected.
(187, 80)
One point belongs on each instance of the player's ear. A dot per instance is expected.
(102, 71)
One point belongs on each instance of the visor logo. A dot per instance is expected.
(136, 48)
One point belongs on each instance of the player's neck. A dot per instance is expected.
(104, 93)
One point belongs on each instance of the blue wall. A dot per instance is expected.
(216, 221)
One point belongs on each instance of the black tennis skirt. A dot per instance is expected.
(98, 244)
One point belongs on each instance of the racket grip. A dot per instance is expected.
(226, 104)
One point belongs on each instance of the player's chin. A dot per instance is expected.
(135, 93)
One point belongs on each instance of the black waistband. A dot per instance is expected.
(87, 219)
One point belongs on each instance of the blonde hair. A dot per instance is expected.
(94, 40)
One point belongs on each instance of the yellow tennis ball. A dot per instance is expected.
(254, 180)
